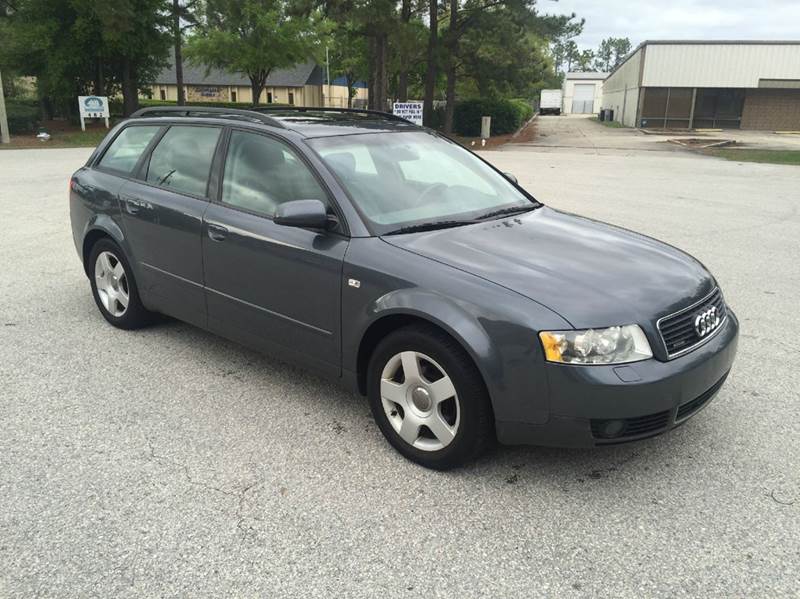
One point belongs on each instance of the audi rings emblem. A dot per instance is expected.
(706, 321)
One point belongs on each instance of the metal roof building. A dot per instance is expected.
(582, 92)
(707, 84)
(302, 84)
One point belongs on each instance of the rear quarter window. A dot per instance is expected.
(125, 151)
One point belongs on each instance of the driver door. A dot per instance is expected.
(272, 287)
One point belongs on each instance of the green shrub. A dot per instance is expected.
(23, 116)
(524, 108)
(507, 115)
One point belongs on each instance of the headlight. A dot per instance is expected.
(614, 345)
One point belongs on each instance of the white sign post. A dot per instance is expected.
(93, 107)
(410, 111)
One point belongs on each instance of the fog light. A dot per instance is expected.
(612, 428)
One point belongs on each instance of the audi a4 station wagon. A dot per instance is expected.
(383, 255)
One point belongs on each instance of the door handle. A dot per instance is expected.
(217, 232)
(133, 205)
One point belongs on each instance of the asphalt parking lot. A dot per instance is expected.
(169, 462)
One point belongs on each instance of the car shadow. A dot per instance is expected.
(347, 412)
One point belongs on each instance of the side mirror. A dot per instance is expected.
(511, 178)
(307, 214)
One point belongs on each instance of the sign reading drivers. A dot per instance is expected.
(93, 107)
(411, 111)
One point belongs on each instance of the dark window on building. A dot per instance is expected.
(163, 94)
(269, 97)
(125, 151)
(233, 95)
(718, 108)
(291, 98)
(654, 106)
(679, 108)
(182, 159)
(666, 107)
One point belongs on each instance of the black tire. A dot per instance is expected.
(135, 315)
(475, 432)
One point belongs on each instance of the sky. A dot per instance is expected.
(681, 19)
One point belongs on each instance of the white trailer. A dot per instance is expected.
(550, 101)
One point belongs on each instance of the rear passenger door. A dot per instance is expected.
(162, 213)
(272, 287)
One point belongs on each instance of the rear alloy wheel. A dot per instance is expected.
(114, 288)
(112, 284)
(429, 399)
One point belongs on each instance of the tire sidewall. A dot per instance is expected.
(471, 391)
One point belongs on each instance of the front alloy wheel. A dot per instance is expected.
(420, 401)
(428, 398)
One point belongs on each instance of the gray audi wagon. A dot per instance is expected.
(385, 256)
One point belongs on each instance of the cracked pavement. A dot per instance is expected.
(169, 462)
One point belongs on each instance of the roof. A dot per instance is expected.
(704, 43)
(308, 122)
(316, 122)
(586, 75)
(304, 73)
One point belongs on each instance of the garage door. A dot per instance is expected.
(583, 98)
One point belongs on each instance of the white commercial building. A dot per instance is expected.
(582, 93)
(707, 84)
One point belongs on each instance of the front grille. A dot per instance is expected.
(678, 330)
(631, 427)
(690, 407)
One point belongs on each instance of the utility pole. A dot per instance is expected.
(4, 137)
(327, 76)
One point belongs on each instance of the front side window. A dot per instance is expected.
(125, 151)
(262, 172)
(409, 178)
(182, 159)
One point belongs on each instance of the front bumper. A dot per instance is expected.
(601, 405)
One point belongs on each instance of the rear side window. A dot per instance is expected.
(125, 151)
(182, 159)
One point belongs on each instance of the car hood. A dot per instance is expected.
(591, 273)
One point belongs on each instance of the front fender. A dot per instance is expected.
(446, 313)
(497, 327)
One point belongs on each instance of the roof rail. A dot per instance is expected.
(386, 115)
(212, 111)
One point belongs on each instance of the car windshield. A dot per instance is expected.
(407, 179)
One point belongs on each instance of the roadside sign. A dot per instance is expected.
(411, 111)
(93, 107)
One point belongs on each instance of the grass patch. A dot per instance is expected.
(58, 139)
(766, 156)
(612, 124)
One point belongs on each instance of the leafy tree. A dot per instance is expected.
(376, 21)
(253, 37)
(347, 56)
(182, 18)
(611, 52)
(560, 30)
(432, 62)
(135, 41)
(80, 46)
(503, 56)
(584, 61)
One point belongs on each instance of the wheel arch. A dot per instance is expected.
(98, 228)
(463, 329)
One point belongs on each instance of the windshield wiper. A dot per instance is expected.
(439, 224)
(507, 211)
